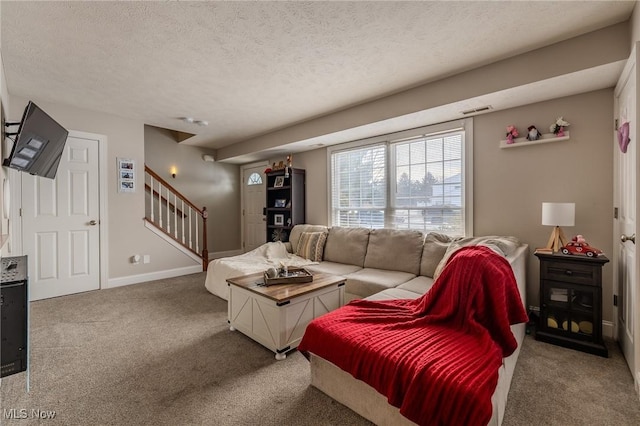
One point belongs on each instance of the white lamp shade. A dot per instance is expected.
(558, 214)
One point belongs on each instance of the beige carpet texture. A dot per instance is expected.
(161, 353)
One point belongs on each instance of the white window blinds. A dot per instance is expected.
(415, 179)
(427, 190)
(359, 187)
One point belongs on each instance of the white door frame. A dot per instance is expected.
(631, 62)
(15, 178)
(242, 184)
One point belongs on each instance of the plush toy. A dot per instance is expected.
(533, 134)
(579, 239)
(557, 128)
(512, 132)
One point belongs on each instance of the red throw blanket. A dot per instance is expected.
(436, 357)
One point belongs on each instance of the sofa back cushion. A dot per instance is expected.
(346, 245)
(395, 250)
(503, 245)
(311, 245)
(435, 246)
(297, 230)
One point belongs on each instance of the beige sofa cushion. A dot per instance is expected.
(333, 268)
(393, 294)
(294, 235)
(346, 245)
(501, 245)
(395, 250)
(435, 246)
(418, 285)
(369, 281)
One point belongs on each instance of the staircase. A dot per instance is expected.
(172, 216)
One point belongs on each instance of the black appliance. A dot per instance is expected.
(13, 315)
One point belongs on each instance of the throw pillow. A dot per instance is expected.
(311, 245)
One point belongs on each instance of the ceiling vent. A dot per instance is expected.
(477, 110)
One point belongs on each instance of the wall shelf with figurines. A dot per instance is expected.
(544, 138)
(534, 137)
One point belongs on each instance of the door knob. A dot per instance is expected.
(624, 238)
(93, 222)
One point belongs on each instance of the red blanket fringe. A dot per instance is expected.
(436, 357)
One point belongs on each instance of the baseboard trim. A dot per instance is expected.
(152, 276)
(607, 329)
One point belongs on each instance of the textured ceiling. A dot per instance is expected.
(249, 68)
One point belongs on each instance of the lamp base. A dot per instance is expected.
(556, 239)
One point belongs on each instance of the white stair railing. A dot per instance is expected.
(176, 216)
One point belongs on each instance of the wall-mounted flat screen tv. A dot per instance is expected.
(38, 145)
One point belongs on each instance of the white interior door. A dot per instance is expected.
(254, 198)
(625, 202)
(60, 219)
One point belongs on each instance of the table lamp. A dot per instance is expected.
(557, 215)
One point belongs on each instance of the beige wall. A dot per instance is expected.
(315, 164)
(210, 184)
(127, 234)
(635, 24)
(511, 184)
(4, 106)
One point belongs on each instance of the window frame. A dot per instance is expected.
(389, 140)
(251, 183)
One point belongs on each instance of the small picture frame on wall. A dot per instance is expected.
(279, 182)
(127, 186)
(126, 175)
(278, 219)
(280, 203)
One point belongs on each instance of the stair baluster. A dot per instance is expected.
(176, 204)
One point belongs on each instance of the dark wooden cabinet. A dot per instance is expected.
(571, 302)
(285, 202)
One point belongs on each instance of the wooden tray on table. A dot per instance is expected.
(294, 276)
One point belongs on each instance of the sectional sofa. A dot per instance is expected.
(378, 264)
(398, 264)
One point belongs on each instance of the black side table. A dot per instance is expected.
(571, 302)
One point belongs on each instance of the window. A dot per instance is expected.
(427, 192)
(359, 187)
(411, 180)
(254, 179)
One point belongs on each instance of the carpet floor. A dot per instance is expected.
(161, 353)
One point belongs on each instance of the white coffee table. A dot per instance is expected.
(277, 316)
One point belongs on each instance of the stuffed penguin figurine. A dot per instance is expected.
(533, 134)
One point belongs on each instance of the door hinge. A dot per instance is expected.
(242, 212)
(615, 300)
(615, 123)
(244, 244)
(615, 212)
(20, 212)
